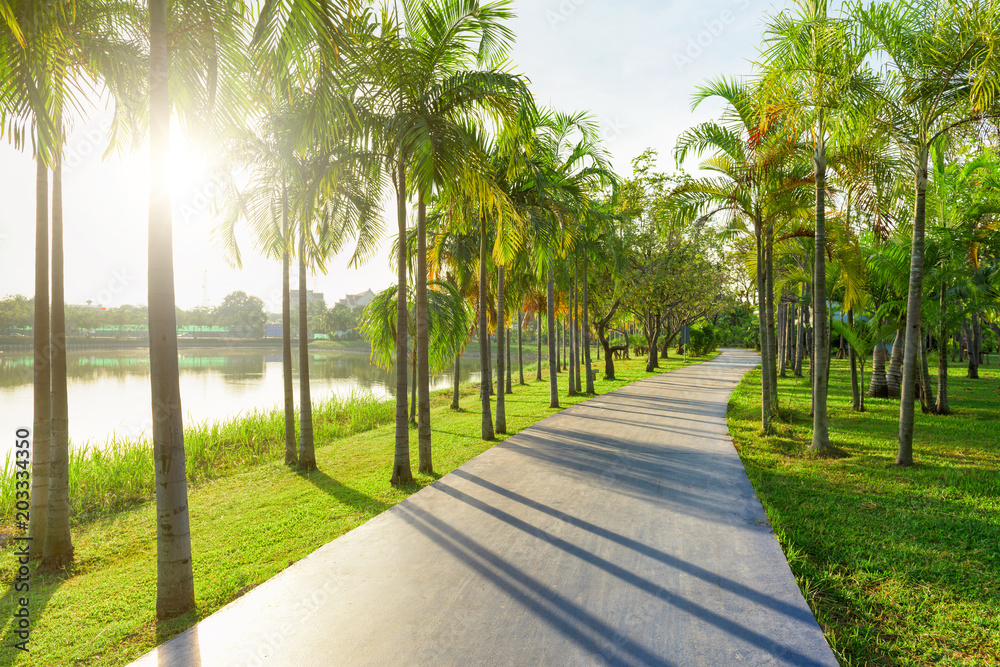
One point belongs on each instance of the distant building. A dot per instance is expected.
(274, 330)
(357, 300)
(310, 296)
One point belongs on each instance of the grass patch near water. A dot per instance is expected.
(900, 565)
(246, 526)
(119, 474)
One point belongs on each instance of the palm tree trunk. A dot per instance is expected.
(307, 450)
(765, 377)
(538, 346)
(800, 336)
(174, 575)
(560, 339)
(41, 441)
(484, 338)
(571, 341)
(291, 455)
(401, 473)
(413, 388)
(772, 366)
(821, 347)
(551, 325)
(58, 548)
(510, 389)
(458, 380)
(942, 392)
(782, 338)
(894, 373)
(586, 332)
(904, 454)
(576, 331)
(977, 330)
(927, 403)
(972, 358)
(520, 355)
(855, 387)
(424, 459)
(501, 334)
(878, 387)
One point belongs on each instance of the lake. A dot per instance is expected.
(108, 390)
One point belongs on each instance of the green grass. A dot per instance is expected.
(246, 527)
(900, 565)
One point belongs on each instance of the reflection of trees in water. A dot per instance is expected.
(84, 367)
(234, 366)
(361, 369)
(356, 367)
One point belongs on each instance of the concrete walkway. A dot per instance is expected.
(621, 531)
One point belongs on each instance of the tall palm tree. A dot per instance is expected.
(209, 29)
(759, 184)
(821, 59)
(264, 202)
(443, 42)
(939, 74)
(45, 49)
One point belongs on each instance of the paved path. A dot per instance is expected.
(621, 531)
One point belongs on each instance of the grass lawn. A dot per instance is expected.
(246, 527)
(901, 566)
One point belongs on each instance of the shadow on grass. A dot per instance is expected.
(343, 493)
(41, 589)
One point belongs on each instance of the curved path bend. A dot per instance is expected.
(620, 531)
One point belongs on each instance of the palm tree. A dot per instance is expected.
(26, 60)
(264, 203)
(564, 159)
(813, 73)
(939, 74)
(217, 29)
(965, 202)
(759, 184)
(44, 50)
(448, 313)
(426, 96)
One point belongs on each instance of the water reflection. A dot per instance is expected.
(109, 389)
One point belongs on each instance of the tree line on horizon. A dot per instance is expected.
(244, 315)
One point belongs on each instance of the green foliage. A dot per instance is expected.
(243, 312)
(703, 340)
(448, 318)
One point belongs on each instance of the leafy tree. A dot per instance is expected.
(238, 309)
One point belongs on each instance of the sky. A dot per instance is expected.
(634, 64)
